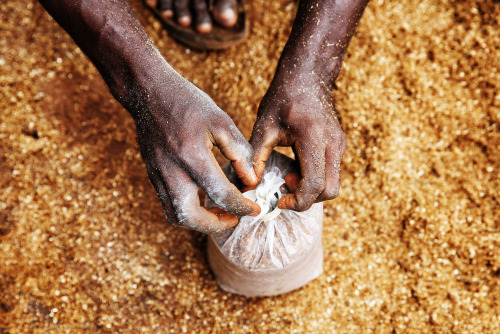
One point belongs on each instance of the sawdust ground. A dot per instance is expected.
(411, 245)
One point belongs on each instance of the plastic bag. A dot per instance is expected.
(275, 252)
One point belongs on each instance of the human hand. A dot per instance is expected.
(177, 124)
(301, 113)
(177, 127)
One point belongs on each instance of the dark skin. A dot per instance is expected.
(224, 12)
(178, 124)
(298, 109)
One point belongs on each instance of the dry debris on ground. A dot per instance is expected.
(411, 245)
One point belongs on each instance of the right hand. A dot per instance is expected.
(177, 127)
(300, 113)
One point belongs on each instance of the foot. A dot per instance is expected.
(224, 12)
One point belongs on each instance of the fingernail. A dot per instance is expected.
(287, 202)
(292, 181)
(256, 209)
(248, 188)
(255, 214)
(216, 210)
(253, 176)
(228, 218)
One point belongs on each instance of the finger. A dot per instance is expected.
(312, 168)
(203, 21)
(166, 9)
(235, 147)
(333, 159)
(182, 12)
(206, 172)
(292, 181)
(186, 204)
(161, 190)
(248, 188)
(219, 211)
(224, 215)
(264, 138)
(216, 210)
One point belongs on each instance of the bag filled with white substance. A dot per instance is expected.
(276, 252)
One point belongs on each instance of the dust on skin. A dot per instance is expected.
(410, 243)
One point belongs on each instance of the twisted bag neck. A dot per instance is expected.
(267, 195)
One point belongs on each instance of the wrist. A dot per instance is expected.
(135, 79)
(319, 39)
(128, 62)
(306, 69)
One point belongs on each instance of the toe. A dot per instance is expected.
(168, 14)
(204, 28)
(225, 13)
(203, 21)
(182, 12)
(227, 18)
(184, 20)
(166, 8)
(151, 3)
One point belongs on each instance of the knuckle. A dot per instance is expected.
(201, 222)
(178, 212)
(303, 203)
(331, 193)
(191, 153)
(220, 120)
(315, 185)
(195, 223)
(316, 126)
(230, 200)
(181, 218)
(171, 219)
(227, 200)
(310, 193)
(185, 152)
(265, 123)
(235, 144)
(173, 143)
(338, 137)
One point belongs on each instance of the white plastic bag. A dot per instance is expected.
(275, 252)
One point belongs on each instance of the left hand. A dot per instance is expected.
(301, 113)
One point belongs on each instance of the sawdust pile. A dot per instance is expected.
(411, 245)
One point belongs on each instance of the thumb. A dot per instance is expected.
(263, 140)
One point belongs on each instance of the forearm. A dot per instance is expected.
(319, 38)
(110, 34)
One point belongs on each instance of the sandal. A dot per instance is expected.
(219, 38)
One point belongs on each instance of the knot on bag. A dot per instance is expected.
(267, 195)
(274, 238)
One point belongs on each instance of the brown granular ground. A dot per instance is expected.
(411, 245)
